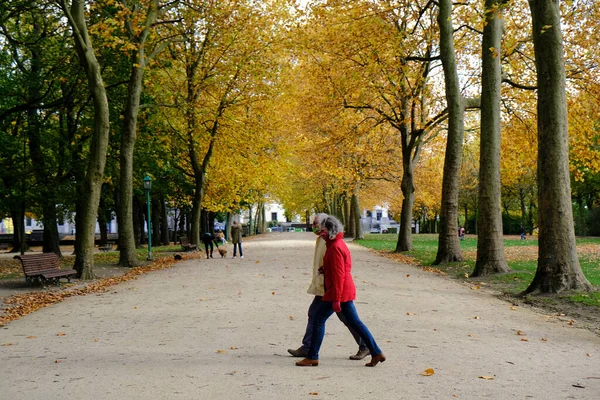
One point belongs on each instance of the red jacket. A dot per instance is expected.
(337, 266)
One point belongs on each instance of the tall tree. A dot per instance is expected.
(490, 239)
(139, 22)
(448, 244)
(91, 186)
(558, 266)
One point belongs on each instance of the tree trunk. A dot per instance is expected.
(490, 240)
(127, 253)
(408, 191)
(558, 267)
(355, 210)
(19, 240)
(155, 218)
(102, 226)
(164, 222)
(449, 244)
(138, 222)
(84, 259)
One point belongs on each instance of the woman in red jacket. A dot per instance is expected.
(339, 296)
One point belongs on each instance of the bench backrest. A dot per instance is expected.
(34, 263)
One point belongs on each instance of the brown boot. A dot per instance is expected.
(307, 362)
(376, 360)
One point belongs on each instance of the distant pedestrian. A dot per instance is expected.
(236, 238)
(208, 240)
(523, 233)
(461, 233)
(339, 296)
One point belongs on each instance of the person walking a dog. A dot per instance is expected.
(208, 239)
(339, 296)
(317, 289)
(236, 238)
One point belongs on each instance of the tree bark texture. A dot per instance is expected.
(127, 253)
(164, 224)
(558, 266)
(355, 209)
(84, 259)
(449, 244)
(490, 240)
(127, 245)
(408, 190)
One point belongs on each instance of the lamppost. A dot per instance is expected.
(147, 187)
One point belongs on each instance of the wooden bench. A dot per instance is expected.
(107, 247)
(43, 268)
(3, 246)
(186, 245)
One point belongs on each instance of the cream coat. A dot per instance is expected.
(317, 286)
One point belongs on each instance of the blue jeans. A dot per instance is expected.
(235, 248)
(323, 313)
(306, 341)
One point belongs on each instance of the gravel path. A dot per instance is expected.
(220, 328)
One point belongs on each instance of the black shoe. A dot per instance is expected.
(360, 354)
(299, 352)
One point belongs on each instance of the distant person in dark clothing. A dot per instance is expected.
(208, 240)
(523, 233)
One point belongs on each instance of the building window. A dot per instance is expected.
(379, 214)
(273, 216)
(28, 221)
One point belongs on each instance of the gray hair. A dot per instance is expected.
(319, 218)
(333, 225)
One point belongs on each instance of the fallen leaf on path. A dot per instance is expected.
(587, 354)
(314, 393)
(544, 339)
(513, 308)
(61, 334)
(96, 339)
(221, 351)
(476, 317)
(410, 314)
(202, 299)
(292, 318)
(428, 372)
(31, 337)
(233, 348)
(571, 322)
(408, 275)
(8, 344)
(273, 293)
(467, 275)
(489, 378)
(258, 261)
(521, 333)
(57, 361)
(524, 339)
(475, 287)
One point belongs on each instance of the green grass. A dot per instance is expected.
(523, 270)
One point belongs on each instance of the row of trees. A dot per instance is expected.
(433, 107)
(398, 88)
(96, 95)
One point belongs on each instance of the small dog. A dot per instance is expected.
(222, 252)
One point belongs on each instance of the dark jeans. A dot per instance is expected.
(306, 341)
(206, 246)
(323, 313)
(235, 246)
